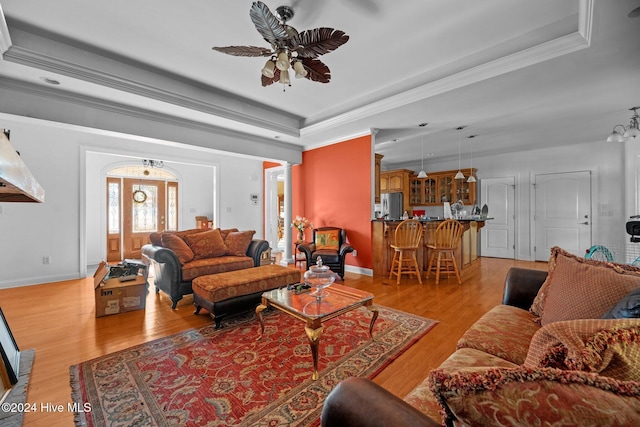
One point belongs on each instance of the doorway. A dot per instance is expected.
(274, 207)
(562, 213)
(498, 234)
(137, 207)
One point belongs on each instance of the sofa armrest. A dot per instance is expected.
(521, 286)
(256, 248)
(167, 270)
(359, 402)
(307, 248)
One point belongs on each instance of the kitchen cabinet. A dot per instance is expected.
(376, 173)
(423, 191)
(441, 187)
(397, 181)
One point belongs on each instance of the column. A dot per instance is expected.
(288, 241)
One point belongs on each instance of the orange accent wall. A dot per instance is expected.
(332, 187)
(267, 165)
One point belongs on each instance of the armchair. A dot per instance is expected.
(330, 244)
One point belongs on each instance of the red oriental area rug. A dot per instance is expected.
(225, 377)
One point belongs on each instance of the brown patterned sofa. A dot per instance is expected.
(562, 350)
(178, 257)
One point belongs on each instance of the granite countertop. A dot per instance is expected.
(468, 219)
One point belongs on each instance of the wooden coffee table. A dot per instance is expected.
(305, 306)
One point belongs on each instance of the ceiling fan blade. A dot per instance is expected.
(317, 71)
(316, 42)
(634, 13)
(244, 50)
(267, 24)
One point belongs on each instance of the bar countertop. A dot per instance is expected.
(466, 219)
(382, 231)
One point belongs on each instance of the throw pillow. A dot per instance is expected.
(238, 242)
(208, 244)
(183, 233)
(225, 233)
(525, 396)
(609, 347)
(327, 239)
(627, 308)
(155, 239)
(179, 246)
(578, 288)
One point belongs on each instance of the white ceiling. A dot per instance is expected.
(519, 74)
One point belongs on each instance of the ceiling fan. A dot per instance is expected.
(289, 48)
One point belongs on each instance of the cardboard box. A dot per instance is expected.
(114, 297)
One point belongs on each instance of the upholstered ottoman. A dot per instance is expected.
(229, 293)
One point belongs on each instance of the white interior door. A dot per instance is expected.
(562, 213)
(498, 234)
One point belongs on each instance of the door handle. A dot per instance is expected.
(584, 223)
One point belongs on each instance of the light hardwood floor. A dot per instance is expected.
(58, 321)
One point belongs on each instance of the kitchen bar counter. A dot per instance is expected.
(382, 232)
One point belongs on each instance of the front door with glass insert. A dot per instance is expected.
(144, 213)
(137, 207)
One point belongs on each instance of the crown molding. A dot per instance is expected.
(123, 74)
(543, 52)
(85, 111)
(5, 39)
(578, 40)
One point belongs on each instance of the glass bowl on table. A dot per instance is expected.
(319, 277)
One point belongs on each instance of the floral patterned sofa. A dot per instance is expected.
(178, 257)
(562, 350)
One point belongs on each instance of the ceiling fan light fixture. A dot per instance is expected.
(471, 178)
(299, 69)
(287, 45)
(422, 174)
(269, 69)
(284, 77)
(282, 63)
(459, 175)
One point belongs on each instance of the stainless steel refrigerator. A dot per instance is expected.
(391, 205)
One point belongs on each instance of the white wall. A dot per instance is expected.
(606, 163)
(68, 226)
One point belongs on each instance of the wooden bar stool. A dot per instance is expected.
(407, 240)
(446, 240)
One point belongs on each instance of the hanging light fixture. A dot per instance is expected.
(459, 175)
(622, 134)
(471, 177)
(289, 48)
(422, 173)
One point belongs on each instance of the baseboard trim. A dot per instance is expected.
(358, 270)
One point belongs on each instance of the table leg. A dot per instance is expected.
(259, 314)
(314, 340)
(374, 311)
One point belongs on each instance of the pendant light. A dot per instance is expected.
(422, 173)
(459, 175)
(471, 177)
